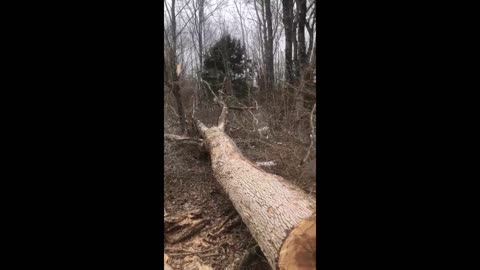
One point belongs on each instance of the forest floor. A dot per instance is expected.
(194, 201)
(201, 192)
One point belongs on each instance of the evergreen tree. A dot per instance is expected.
(226, 59)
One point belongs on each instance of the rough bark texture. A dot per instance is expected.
(270, 206)
(200, 33)
(174, 76)
(180, 110)
(269, 45)
(302, 16)
(296, 64)
(288, 24)
(299, 99)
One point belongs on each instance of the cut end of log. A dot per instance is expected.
(298, 252)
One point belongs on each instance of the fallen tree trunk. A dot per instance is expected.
(279, 215)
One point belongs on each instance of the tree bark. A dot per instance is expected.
(296, 65)
(173, 68)
(263, 28)
(302, 57)
(279, 215)
(302, 16)
(180, 109)
(288, 25)
(310, 40)
(269, 45)
(200, 33)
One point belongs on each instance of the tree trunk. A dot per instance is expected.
(173, 68)
(200, 33)
(180, 110)
(302, 56)
(296, 69)
(269, 45)
(288, 24)
(310, 40)
(299, 101)
(289, 61)
(263, 24)
(279, 215)
(302, 16)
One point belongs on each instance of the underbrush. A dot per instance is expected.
(264, 134)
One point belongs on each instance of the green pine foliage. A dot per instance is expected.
(227, 58)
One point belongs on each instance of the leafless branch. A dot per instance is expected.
(184, 139)
(181, 138)
(223, 116)
(209, 88)
(312, 136)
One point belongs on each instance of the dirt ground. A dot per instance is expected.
(196, 189)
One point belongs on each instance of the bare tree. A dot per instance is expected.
(310, 25)
(269, 44)
(301, 19)
(289, 35)
(174, 75)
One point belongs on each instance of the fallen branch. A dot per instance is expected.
(222, 119)
(196, 227)
(209, 88)
(237, 220)
(184, 139)
(218, 229)
(266, 163)
(181, 138)
(179, 228)
(188, 252)
(241, 108)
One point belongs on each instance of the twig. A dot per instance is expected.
(184, 235)
(219, 227)
(241, 108)
(181, 138)
(223, 115)
(209, 88)
(173, 110)
(274, 146)
(194, 103)
(187, 252)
